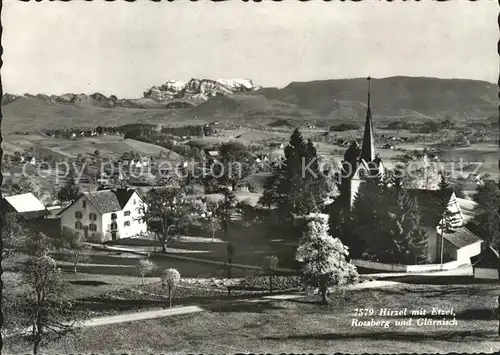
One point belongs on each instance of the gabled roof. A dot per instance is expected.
(25, 203)
(106, 201)
(123, 196)
(461, 237)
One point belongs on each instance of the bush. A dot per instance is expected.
(280, 283)
(344, 127)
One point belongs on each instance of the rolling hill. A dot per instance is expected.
(391, 96)
(339, 99)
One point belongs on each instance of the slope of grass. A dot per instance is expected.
(303, 326)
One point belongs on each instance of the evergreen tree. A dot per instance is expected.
(486, 222)
(70, 191)
(443, 185)
(410, 241)
(368, 222)
(296, 187)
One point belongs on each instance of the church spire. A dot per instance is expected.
(368, 147)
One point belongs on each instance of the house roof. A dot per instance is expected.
(123, 195)
(107, 201)
(488, 259)
(461, 237)
(429, 202)
(25, 203)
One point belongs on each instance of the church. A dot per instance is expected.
(363, 162)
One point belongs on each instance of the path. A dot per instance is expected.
(136, 316)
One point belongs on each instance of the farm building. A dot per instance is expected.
(461, 245)
(486, 264)
(105, 215)
(26, 206)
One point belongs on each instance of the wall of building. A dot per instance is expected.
(68, 218)
(464, 254)
(106, 226)
(487, 274)
(136, 227)
(433, 246)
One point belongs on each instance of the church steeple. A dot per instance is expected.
(368, 147)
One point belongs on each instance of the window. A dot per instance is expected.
(114, 226)
(126, 224)
(84, 204)
(126, 213)
(135, 201)
(113, 215)
(78, 225)
(92, 216)
(92, 227)
(78, 214)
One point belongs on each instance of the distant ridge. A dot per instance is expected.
(398, 97)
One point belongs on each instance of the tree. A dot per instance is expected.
(74, 244)
(235, 166)
(26, 185)
(368, 225)
(486, 221)
(145, 267)
(225, 210)
(449, 219)
(12, 233)
(42, 310)
(170, 278)
(409, 241)
(324, 258)
(269, 266)
(421, 174)
(297, 186)
(209, 211)
(70, 191)
(166, 212)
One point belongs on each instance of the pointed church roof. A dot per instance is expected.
(368, 147)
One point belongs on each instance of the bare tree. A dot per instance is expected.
(145, 267)
(74, 244)
(269, 266)
(42, 310)
(169, 279)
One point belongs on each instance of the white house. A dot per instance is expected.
(105, 215)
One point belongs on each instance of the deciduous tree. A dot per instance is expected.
(145, 267)
(170, 278)
(324, 258)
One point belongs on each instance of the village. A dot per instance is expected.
(216, 229)
(278, 178)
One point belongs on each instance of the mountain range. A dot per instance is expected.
(410, 97)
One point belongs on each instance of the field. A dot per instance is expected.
(302, 325)
(109, 146)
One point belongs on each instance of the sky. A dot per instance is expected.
(125, 48)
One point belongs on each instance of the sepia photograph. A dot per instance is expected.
(240, 177)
